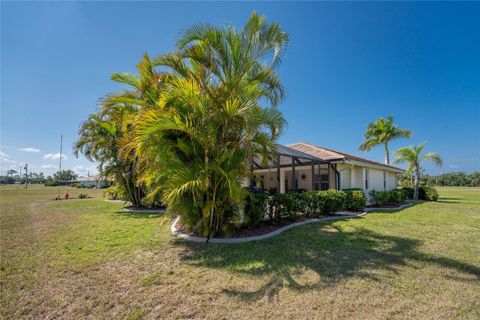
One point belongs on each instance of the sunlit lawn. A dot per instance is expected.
(86, 258)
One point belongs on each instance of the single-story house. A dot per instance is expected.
(92, 182)
(304, 167)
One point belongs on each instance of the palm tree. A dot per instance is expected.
(413, 156)
(216, 112)
(104, 136)
(101, 140)
(382, 131)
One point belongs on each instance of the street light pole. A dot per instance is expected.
(60, 166)
(26, 175)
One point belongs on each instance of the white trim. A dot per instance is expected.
(373, 166)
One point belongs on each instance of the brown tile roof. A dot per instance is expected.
(328, 154)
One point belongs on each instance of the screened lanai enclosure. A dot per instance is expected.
(290, 170)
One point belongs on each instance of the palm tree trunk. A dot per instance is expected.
(416, 182)
(387, 154)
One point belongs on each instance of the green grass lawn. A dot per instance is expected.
(85, 258)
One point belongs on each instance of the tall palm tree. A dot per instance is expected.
(216, 112)
(413, 156)
(101, 140)
(382, 131)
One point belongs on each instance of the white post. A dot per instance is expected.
(353, 183)
(282, 181)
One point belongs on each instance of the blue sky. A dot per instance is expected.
(347, 64)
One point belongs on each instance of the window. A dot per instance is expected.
(384, 180)
(366, 179)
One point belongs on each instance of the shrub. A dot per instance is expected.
(76, 185)
(331, 201)
(355, 199)
(82, 196)
(397, 196)
(309, 203)
(282, 207)
(424, 193)
(256, 205)
(407, 192)
(428, 193)
(115, 193)
(51, 182)
(382, 198)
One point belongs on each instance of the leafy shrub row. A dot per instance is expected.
(383, 198)
(424, 193)
(288, 206)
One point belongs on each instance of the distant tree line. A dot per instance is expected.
(65, 176)
(457, 179)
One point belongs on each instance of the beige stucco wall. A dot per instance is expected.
(392, 180)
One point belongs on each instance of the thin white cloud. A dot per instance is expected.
(54, 156)
(85, 170)
(29, 149)
(452, 166)
(6, 158)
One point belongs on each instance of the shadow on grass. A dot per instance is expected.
(143, 215)
(331, 253)
(393, 210)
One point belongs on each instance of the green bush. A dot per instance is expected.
(309, 203)
(397, 196)
(428, 193)
(282, 207)
(424, 193)
(51, 182)
(383, 198)
(256, 206)
(331, 201)
(407, 192)
(115, 193)
(355, 199)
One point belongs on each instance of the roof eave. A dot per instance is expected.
(374, 166)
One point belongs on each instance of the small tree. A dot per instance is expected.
(383, 131)
(413, 156)
(65, 175)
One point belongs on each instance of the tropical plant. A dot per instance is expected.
(382, 131)
(215, 112)
(413, 156)
(101, 140)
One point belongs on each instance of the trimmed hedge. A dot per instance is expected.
(424, 193)
(355, 199)
(289, 206)
(331, 201)
(383, 198)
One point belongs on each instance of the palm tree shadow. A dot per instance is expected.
(331, 253)
(144, 215)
